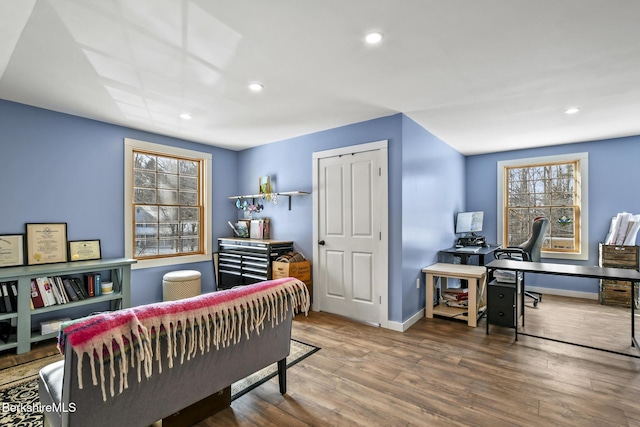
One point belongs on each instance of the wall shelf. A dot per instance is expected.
(288, 194)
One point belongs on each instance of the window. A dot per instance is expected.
(554, 187)
(167, 207)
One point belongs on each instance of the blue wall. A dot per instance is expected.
(290, 162)
(60, 168)
(432, 191)
(613, 178)
(57, 167)
(425, 187)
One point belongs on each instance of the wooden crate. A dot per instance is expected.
(617, 293)
(613, 292)
(619, 256)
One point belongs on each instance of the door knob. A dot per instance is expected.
(321, 242)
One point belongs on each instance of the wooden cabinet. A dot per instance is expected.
(616, 292)
(119, 273)
(246, 261)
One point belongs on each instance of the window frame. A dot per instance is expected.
(583, 161)
(131, 145)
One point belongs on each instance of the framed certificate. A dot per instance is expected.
(11, 250)
(83, 250)
(46, 243)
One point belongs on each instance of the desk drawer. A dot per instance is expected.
(502, 300)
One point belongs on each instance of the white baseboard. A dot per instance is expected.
(563, 293)
(403, 326)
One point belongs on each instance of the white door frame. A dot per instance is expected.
(384, 221)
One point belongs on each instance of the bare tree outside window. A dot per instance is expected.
(544, 190)
(167, 205)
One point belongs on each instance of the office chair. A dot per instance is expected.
(528, 251)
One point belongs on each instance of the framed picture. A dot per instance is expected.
(264, 186)
(83, 250)
(46, 243)
(11, 250)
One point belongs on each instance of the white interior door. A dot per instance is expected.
(350, 259)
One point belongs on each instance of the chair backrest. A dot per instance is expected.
(533, 246)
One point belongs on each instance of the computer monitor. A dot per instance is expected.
(469, 222)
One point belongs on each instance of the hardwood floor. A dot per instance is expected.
(38, 350)
(442, 373)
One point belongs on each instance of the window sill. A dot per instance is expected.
(556, 255)
(163, 262)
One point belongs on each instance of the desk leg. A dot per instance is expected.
(472, 309)
(487, 279)
(522, 298)
(519, 291)
(464, 260)
(429, 281)
(633, 315)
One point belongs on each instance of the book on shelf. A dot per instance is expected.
(58, 290)
(45, 290)
(456, 294)
(36, 298)
(63, 291)
(59, 299)
(78, 287)
(13, 294)
(63, 295)
(73, 296)
(97, 284)
(464, 303)
(5, 296)
(90, 284)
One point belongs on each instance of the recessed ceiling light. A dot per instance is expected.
(255, 87)
(572, 110)
(374, 37)
(185, 116)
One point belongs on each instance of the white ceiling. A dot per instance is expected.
(483, 76)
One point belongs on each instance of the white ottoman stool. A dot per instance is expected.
(180, 284)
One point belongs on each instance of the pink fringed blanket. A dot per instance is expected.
(190, 325)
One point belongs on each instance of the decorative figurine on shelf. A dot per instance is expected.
(255, 208)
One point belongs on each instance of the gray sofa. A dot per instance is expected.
(162, 393)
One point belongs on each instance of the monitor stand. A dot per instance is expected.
(472, 240)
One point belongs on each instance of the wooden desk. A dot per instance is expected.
(575, 271)
(475, 275)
